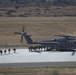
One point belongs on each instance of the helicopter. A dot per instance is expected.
(64, 43)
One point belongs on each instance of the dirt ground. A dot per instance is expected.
(38, 71)
(40, 28)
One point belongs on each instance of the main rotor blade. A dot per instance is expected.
(62, 35)
(66, 36)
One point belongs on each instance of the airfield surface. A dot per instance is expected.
(23, 58)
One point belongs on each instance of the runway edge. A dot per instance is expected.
(38, 64)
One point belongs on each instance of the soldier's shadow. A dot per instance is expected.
(8, 54)
(1, 55)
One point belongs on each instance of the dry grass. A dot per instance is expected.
(39, 27)
(39, 71)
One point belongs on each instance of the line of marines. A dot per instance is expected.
(9, 50)
(38, 48)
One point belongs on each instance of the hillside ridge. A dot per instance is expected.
(36, 2)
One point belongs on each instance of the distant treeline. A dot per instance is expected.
(38, 2)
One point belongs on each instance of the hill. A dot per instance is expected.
(36, 2)
(37, 8)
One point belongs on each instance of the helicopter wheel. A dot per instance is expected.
(49, 49)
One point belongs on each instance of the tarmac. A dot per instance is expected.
(22, 58)
(38, 65)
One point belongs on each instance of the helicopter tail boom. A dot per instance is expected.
(27, 38)
(25, 35)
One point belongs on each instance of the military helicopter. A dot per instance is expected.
(65, 43)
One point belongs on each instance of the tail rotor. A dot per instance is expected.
(23, 29)
(25, 35)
